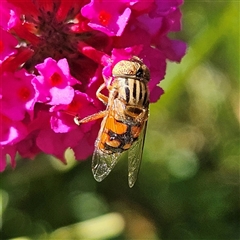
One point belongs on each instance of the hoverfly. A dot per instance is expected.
(124, 121)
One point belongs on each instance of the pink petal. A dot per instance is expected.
(7, 44)
(61, 96)
(107, 17)
(18, 94)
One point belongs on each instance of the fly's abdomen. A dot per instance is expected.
(117, 136)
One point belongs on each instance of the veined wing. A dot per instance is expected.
(102, 162)
(135, 157)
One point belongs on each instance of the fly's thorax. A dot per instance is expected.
(132, 91)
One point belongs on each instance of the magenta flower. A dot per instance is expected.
(55, 54)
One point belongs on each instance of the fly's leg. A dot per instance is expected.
(90, 118)
(100, 96)
(143, 116)
(98, 115)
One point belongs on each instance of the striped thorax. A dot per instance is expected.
(130, 83)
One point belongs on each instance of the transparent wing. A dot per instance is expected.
(102, 164)
(135, 157)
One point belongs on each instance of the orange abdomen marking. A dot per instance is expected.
(117, 136)
(115, 126)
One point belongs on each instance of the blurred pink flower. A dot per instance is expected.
(55, 54)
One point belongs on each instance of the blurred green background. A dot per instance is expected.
(188, 186)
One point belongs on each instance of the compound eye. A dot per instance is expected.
(139, 73)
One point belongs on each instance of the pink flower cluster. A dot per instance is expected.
(55, 54)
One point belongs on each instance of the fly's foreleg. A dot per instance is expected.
(100, 96)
